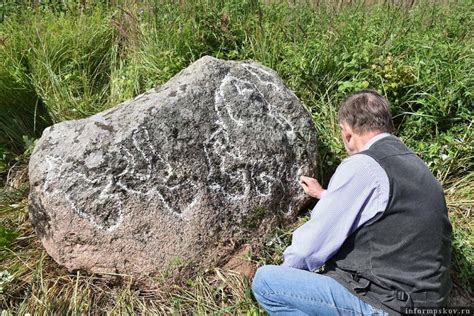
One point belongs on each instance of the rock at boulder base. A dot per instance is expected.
(173, 174)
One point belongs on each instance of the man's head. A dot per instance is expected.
(361, 116)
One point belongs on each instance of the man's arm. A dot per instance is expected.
(357, 193)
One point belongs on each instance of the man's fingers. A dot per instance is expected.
(304, 179)
(308, 179)
(304, 185)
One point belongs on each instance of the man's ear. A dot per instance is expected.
(346, 131)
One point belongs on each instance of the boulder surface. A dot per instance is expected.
(177, 173)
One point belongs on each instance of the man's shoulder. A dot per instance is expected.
(362, 167)
(386, 147)
(358, 161)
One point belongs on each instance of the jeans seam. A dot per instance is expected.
(311, 299)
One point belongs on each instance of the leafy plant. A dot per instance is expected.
(6, 236)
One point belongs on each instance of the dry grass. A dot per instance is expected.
(39, 286)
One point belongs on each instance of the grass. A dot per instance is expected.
(71, 59)
(33, 283)
(460, 200)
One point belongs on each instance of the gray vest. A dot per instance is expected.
(402, 259)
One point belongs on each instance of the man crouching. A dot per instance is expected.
(381, 229)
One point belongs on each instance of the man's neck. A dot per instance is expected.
(362, 140)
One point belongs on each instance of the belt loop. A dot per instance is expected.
(401, 296)
(355, 276)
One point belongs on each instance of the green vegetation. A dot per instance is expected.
(70, 59)
(254, 218)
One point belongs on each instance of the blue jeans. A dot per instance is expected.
(288, 291)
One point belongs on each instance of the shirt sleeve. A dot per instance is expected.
(357, 193)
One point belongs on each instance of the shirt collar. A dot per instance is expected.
(374, 139)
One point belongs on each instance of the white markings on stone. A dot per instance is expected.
(55, 170)
(93, 160)
(255, 71)
(86, 179)
(154, 192)
(219, 99)
(107, 183)
(144, 155)
(281, 119)
(222, 155)
(268, 181)
(189, 209)
(219, 140)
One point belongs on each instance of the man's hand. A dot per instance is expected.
(311, 187)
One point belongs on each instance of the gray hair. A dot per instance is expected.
(366, 110)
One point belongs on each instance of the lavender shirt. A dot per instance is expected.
(357, 195)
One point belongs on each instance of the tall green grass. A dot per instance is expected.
(62, 63)
(70, 59)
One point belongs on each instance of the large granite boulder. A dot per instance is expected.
(177, 173)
